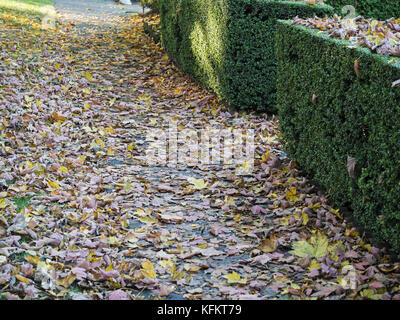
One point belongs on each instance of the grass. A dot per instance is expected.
(22, 202)
(10, 182)
(17, 257)
(29, 13)
(34, 7)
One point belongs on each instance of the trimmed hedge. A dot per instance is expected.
(229, 45)
(378, 9)
(343, 129)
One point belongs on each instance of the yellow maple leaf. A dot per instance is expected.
(22, 279)
(214, 111)
(314, 264)
(112, 101)
(31, 260)
(100, 143)
(316, 247)
(40, 170)
(165, 263)
(141, 213)
(238, 217)
(80, 160)
(30, 164)
(88, 76)
(3, 203)
(284, 221)
(265, 157)
(87, 91)
(191, 268)
(67, 281)
(269, 139)
(234, 277)
(370, 294)
(177, 91)
(63, 169)
(110, 130)
(305, 218)
(198, 183)
(44, 265)
(176, 274)
(148, 269)
(144, 97)
(131, 146)
(148, 220)
(315, 206)
(291, 194)
(110, 151)
(113, 241)
(110, 267)
(53, 185)
(291, 180)
(336, 213)
(246, 166)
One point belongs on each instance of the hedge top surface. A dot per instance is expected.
(378, 9)
(311, 3)
(382, 37)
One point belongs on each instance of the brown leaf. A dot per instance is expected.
(357, 68)
(326, 291)
(269, 244)
(304, 262)
(169, 218)
(3, 232)
(58, 117)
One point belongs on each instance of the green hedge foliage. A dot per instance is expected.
(343, 129)
(153, 4)
(378, 9)
(229, 45)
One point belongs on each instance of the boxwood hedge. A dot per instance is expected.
(228, 45)
(378, 9)
(343, 129)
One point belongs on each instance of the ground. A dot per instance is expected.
(83, 215)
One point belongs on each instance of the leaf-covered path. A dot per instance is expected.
(84, 216)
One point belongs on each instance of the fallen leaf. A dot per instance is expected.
(234, 278)
(269, 244)
(198, 184)
(317, 247)
(148, 269)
